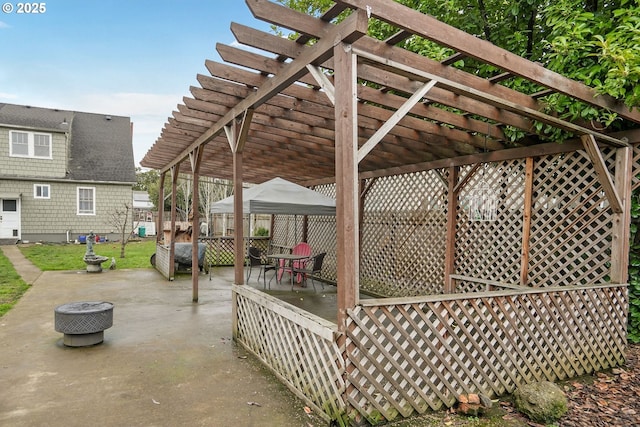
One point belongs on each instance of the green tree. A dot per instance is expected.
(146, 180)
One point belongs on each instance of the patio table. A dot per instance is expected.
(290, 258)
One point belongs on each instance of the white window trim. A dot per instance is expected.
(30, 145)
(93, 192)
(35, 191)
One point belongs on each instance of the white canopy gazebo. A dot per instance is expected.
(279, 196)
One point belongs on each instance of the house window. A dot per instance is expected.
(30, 144)
(9, 205)
(86, 201)
(41, 191)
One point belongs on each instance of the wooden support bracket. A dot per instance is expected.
(394, 119)
(592, 149)
(324, 82)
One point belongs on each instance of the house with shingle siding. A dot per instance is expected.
(62, 173)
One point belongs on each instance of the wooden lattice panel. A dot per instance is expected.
(299, 347)
(322, 236)
(404, 228)
(635, 176)
(220, 250)
(288, 230)
(407, 358)
(570, 222)
(162, 260)
(491, 250)
(403, 235)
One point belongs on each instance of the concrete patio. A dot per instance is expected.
(165, 361)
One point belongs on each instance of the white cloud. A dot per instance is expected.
(127, 104)
(4, 25)
(8, 96)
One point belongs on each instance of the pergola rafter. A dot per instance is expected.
(296, 120)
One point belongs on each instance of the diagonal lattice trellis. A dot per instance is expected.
(407, 358)
(491, 250)
(570, 222)
(322, 236)
(404, 221)
(635, 177)
(404, 228)
(297, 346)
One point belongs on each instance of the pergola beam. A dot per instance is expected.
(493, 100)
(261, 40)
(461, 141)
(430, 28)
(324, 82)
(287, 106)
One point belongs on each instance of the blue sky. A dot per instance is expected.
(134, 58)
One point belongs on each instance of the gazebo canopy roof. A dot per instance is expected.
(406, 119)
(279, 196)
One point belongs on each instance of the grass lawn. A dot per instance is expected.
(11, 285)
(68, 256)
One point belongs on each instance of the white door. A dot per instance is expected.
(9, 218)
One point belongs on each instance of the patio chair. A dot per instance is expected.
(313, 269)
(302, 249)
(255, 260)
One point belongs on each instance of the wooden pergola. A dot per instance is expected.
(348, 109)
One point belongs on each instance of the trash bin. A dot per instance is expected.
(142, 231)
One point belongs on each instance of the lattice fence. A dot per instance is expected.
(220, 250)
(163, 260)
(403, 235)
(322, 236)
(297, 346)
(403, 232)
(635, 176)
(492, 249)
(405, 359)
(571, 223)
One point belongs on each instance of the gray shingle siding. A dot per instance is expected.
(44, 218)
(88, 150)
(56, 167)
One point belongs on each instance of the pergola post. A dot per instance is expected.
(237, 131)
(526, 222)
(238, 223)
(452, 215)
(175, 171)
(195, 158)
(160, 217)
(621, 221)
(347, 200)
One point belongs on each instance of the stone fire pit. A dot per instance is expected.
(83, 323)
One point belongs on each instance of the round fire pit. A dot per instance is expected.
(83, 323)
